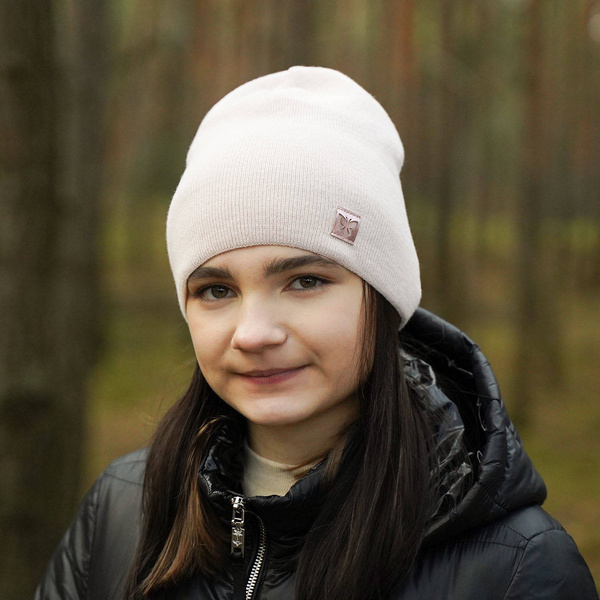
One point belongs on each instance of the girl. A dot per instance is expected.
(317, 453)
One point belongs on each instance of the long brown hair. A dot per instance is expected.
(376, 507)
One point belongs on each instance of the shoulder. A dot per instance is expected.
(535, 555)
(116, 495)
(117, 519)
(549, 565)
(95, 552)
(517, 528)
(116, 515)
(525, 554)
(128, 469)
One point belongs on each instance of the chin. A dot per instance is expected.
(275, 412)
(275, 419)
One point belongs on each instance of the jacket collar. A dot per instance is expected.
(287, 519)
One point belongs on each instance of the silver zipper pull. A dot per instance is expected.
(238, 531)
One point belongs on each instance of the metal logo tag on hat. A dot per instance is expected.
(346, 225)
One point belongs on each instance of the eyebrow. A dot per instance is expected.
(211, 273)
(276, 266)
(280, 265)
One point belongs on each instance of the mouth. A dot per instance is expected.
(271, 376)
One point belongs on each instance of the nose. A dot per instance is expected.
(257, 328)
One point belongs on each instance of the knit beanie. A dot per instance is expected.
(303, 158)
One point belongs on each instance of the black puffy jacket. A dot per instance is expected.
(495, 543)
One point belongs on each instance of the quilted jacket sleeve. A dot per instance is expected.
(552, 568)
(66, 577)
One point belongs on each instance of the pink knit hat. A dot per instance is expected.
(303, 158)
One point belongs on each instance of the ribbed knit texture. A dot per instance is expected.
(264, 477)
(270, 165)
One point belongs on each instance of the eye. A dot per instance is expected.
(306, 282)
(213, 292)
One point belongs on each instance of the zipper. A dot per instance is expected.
(238, 529)
(260, 557)
(238, 537)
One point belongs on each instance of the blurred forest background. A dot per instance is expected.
(498, 105)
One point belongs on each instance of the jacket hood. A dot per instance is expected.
(457, 380)
(504, 477)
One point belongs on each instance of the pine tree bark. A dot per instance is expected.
(449, 285)
(539, 334)
(50, 152)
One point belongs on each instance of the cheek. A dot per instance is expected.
(338, 338)
(208, 342)
(208, 361)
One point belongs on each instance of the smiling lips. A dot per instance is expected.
(270, 376)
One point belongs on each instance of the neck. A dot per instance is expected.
(297, 443)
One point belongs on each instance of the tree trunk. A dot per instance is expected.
(398, 77)
(448, 286)
(537, 360)
(49, 278)
(301, 21)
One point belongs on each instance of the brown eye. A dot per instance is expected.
(305, 282)
(218, 291)
(214, 292)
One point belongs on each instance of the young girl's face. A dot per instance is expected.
(276, 333)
